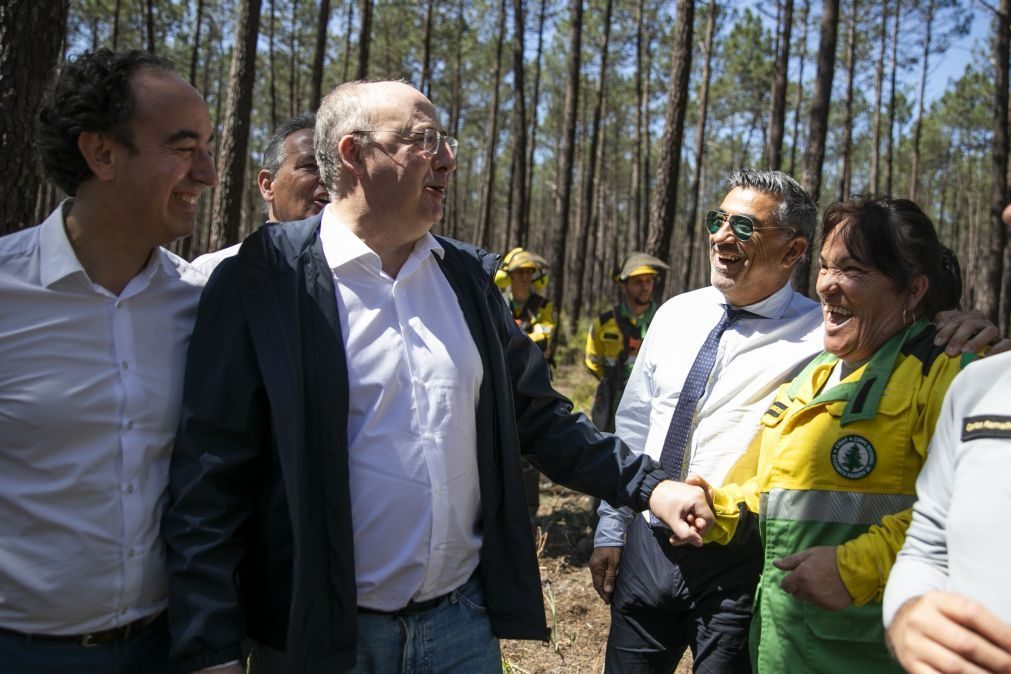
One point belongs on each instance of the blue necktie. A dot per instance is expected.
(673, 454)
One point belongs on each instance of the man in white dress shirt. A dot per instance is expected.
(667, 598)
(93, 333)
(346, 482)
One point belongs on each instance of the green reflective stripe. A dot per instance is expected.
(844, 507)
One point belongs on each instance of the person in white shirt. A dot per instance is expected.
(947, 605)
(289, 182)
(668, 598)
(93, 333)
(346, 484)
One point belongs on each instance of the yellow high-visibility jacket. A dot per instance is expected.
(837, 465)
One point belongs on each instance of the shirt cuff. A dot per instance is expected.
(612, 525)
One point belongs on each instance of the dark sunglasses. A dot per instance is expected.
(742, 226)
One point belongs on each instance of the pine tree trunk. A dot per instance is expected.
(777, 113)
(524, 234)
(591, 187)
(690, 245)
(918, 124)
(319, 56)
(364, 38)
(235, 130)
(847, 148)
(426, 52)
(879, 76)
(799, 103)
(27, 59)
(890, 141)
(814, 155)
(518, 181)
(997, 260)
(484, 226)
(567, 155)
(668, 168)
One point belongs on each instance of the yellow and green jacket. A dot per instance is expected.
(614, 339)
(837, 465)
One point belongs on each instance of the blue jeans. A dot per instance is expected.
(145, 652)
(455, 636)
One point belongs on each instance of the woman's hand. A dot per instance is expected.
(814, 577)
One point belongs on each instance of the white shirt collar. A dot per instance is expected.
(341, 246)
(57, 259)
(773, 306)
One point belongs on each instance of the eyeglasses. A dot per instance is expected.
(742, 226)
(429, 140)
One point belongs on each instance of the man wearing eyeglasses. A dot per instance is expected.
(705, 373)
(346, 484)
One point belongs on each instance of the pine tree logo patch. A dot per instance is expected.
(853, 457)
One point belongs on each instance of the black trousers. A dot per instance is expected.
(668, 598)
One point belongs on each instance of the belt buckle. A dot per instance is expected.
(88, 641)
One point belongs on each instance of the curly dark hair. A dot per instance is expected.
(895, 237)
(90, 93)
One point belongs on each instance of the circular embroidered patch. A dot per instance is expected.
(853, 457)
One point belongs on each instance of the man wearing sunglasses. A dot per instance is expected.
(705, 373)
(346, 485)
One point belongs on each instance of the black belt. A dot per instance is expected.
(412, 608)
(92, 638)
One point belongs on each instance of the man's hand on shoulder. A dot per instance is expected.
(967, 332)
(604, 563)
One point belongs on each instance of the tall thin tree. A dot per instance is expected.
(227, 212)
(799, 102)
(560, 233)
(364, 39)
(591, 187)
(777, 112)
(814, 154)
(997, 256)
(518, 182)
(27, 59)
(319, 55)
(879, 76)
(845, 168)
(661, 223)
(426, 50)
(892, 91)
(688, 259)
(484, 224)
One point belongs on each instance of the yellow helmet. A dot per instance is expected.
(519, 258)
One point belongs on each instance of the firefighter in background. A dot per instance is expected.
(523, 274)
(615, 336)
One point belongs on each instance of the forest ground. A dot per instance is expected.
(577, 617)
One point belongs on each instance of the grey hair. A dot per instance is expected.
(341, 113)
(796, 209)
(274, 154)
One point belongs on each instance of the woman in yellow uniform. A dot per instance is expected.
(833, 469)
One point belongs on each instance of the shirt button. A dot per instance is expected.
(130, 552)
(129, 489)
(129, 425)
(119, 304)
(126, 365)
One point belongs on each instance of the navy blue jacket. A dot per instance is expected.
(258, 529)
